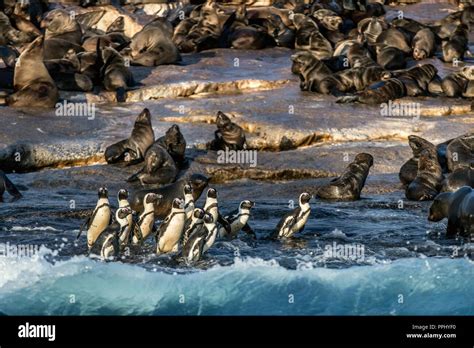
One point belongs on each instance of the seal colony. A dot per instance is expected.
(344, 48)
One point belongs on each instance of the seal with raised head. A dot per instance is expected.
(115, 75)
(310, 70)
(173, 141)
(133, 149)
(198, 183)
(428, 177)
(349, 185)
(33, 85)
(409, 169)
(228, 135)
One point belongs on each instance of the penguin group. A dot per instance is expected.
(354, 53)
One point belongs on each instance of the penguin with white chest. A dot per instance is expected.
(212, 207)
(193, 224)
(171, 229)
(100, 218)
(295, 220)
(194, 237)
(145, 225)
(124, 236)
(107, 244)
(188, 201)
(238, 221)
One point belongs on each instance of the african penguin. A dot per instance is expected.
(295, 220)
(123, 203)
(146, 221)
(188, 201)
(100, 218)
(194, 238)
(171, 229)
(211, 229)
(107, 245)
(212, 207)
(194, 223)
(238, 221)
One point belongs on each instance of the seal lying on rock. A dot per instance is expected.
(198, 183)
(133, 149)
(458, 207)
(228, 135)
(428, 178)
(350, 184)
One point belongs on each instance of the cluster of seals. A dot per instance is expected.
(349, 185)
(228, 135)
(375, 53)
(458, 208)
(433, 169)
(162, 158)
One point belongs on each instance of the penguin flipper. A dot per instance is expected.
(249, 231)
(85, 225)
(224, 223)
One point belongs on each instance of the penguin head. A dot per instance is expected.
(178, 203)
(212, 193)
(246, 205)
(152, 198)
(122, 194)
(305, 198)
(208, 219)
(122, 213)
(198, 213)
(188, 189)
(103, 193)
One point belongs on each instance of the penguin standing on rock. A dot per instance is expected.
(107, 245)
(238, 221)
(100, 218)
(295, 220)
(146, 221)
(125, 233)
(171, 229)
(211, 207)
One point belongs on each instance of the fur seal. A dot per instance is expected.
(305, 27)
(173, 141)
(460, 152)
(457, 45)
(456, 84)
(33, 85)
(283, 35)
(228, 134)
(133, 149)
(371, 28)
(159, 168)
(391, 58)
(198, 183)
(392, 37)
(7, 185)
(115, 75)
(417, 79)
(459, 178)
(61, 24)
(458, 207)
(428, 178)
(378, 93)
(423, 44)
(349, 185)
(310, 69)
(409, 169)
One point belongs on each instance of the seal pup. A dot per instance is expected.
(98, 221)
(133, 149)
(159, 168)
(115, 75)
(428, 178)
(447, 205)
(310, 70)
(169, 192)
(107, 244)
(409, 169)
(171, 229)
(238, 221)
(457, 45)
(459, 178)
(124, 235)
(349, 185)
(145, 226)
(7, 185)
(423, 44)
(228, 135)
(173, 141)
(33, 85)
(295, 220)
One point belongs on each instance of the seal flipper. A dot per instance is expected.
(11, 189)
(121, 95)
